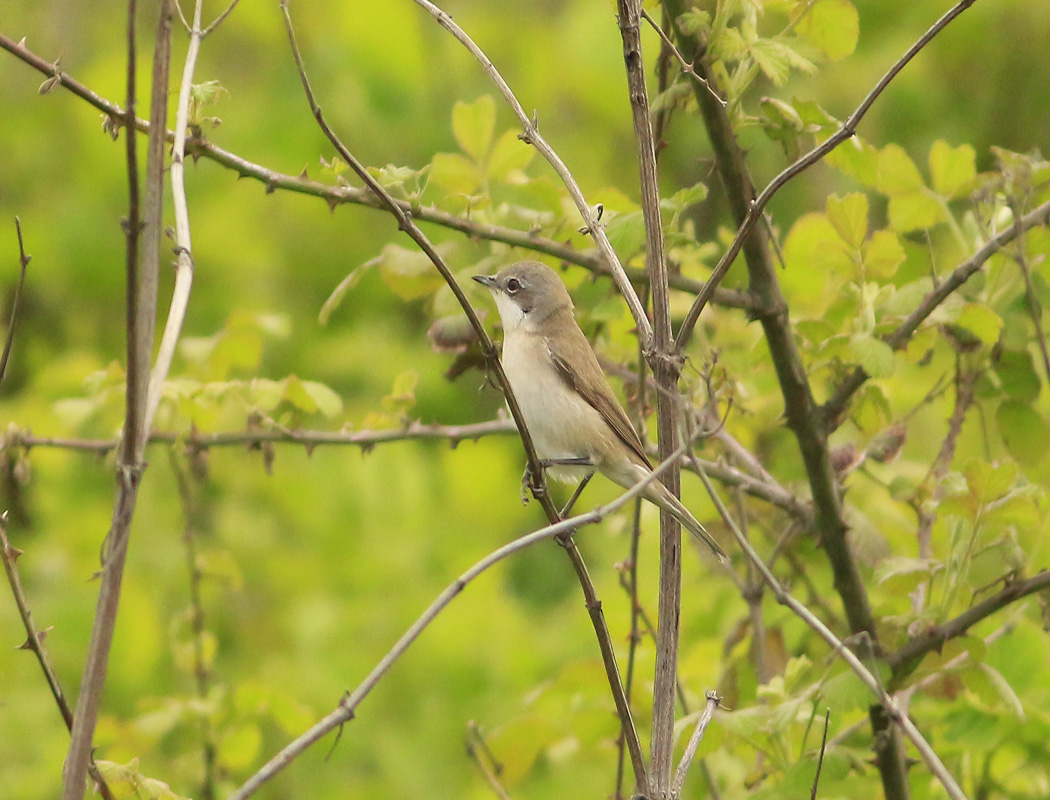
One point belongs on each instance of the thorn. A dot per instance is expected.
(303, 176)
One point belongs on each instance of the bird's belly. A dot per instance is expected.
(562, 424)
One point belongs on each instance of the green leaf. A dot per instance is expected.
(916, 211)
(849, 217)
(832, 27)
(897, 173)
(981, 321)
(626, 234)
(952, 169)
(870, 410)
(456, 174)
(988, 482)
(518, 744)
(904, 574)
(776, 58)
(473, 125)
(882, 254)
(1017, 375)
(325, 398)
(845, 692)
(693, 21)
(509, 157)
(993, 689)
(857, 159)
(403, 393)
(812, 244)
(409, 273)
(874, 355)
(126, 781)
(239, 746)
(1025, 433)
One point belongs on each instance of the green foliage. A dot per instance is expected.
(309, 564)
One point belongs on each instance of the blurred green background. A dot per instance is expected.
(314, 571)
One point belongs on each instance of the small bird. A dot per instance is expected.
(577, 424)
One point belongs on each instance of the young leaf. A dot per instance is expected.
(849, 216)
(882, 254)
(897, 173)
(874, 355)
(981, 321)
(1025, 433)
(952, 169)
(832, 27)
(473, 125)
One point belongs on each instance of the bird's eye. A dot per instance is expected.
(513, 285)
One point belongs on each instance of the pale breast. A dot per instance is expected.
(561, 422)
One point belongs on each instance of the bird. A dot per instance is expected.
(576, 423)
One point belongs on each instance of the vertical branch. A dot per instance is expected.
(666, 371)
(23, 262)
(141, 314)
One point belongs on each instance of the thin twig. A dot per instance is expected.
(904, 661)
(184, 264)
(820, 759)
(835, 406)
(336, 195)
(694, 742)
(845, 131)
(666, 371)
(35, 643)
(869, 679)
(220, 19)
(23, 262)
(531, 135)
(478, 750)
(142, 278)
(347, 707)
(687, 68)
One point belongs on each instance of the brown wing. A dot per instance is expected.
(598, 394)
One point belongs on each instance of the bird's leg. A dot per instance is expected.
(576, 495)
(529, 482)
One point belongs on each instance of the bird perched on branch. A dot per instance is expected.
(576, 423)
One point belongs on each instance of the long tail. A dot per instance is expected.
(667, 501)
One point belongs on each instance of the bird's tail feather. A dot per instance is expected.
(663, 498)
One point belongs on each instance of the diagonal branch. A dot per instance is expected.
(35, 642)
(591, 260)
(756, 205)
(23, 262)
(904, 661)
(531, 135)
(406, 224)
(347, 707)
(869, 679)
(142, 278)
(835, 406)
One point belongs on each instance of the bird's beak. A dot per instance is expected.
(488, 281)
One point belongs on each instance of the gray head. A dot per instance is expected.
(527, 293)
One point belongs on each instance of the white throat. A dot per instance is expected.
(510, 313)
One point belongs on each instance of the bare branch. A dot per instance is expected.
(531, 135)
(904, 661)
(35, 642)
(893, 711)
(835, 406)
(23, 262)
(142, 280)
(406, 224)
(694, 742)
(591, 260)
(845, 131)
(347, 707)
(666, 372)
(820, 760)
